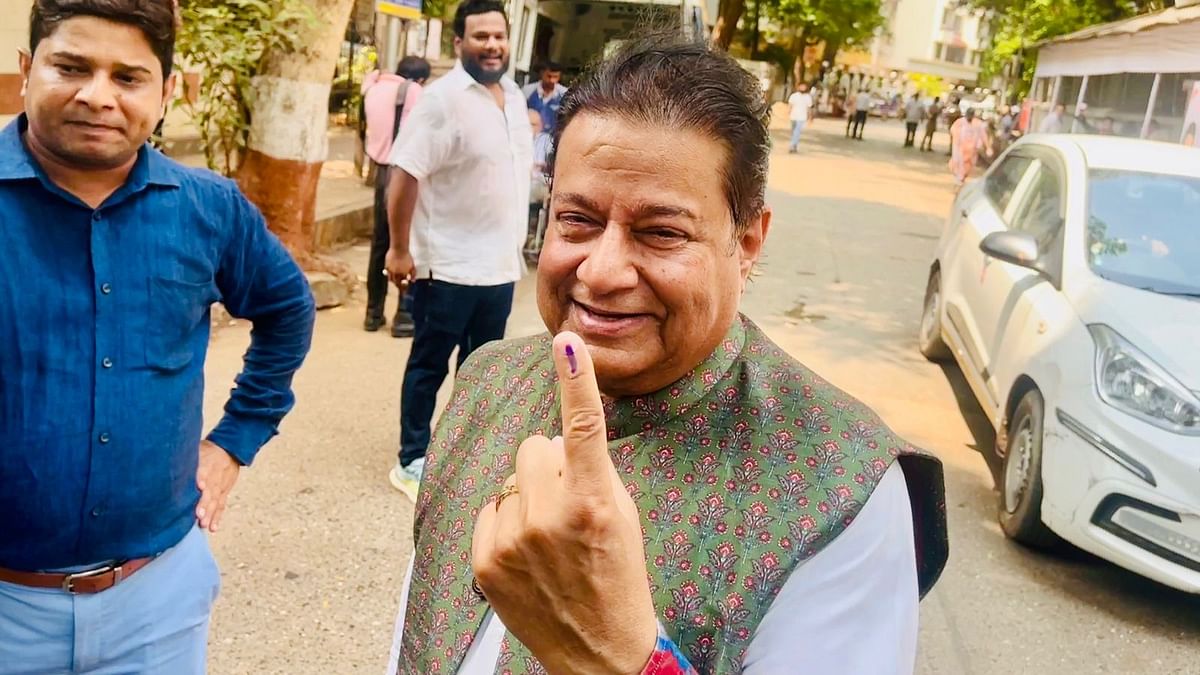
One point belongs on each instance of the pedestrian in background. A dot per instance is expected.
(914, 112)
(546, 95)
(801, 113)
(862, 106)
(1055, 122)
(968, 136)
(539, 188)
(114, 256)
(458, 204)
(388, 100)
(850, 112)
(953, 114)
(932, 115)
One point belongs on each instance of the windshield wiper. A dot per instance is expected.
(1177, 294)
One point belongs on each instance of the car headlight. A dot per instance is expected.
(1130, 381)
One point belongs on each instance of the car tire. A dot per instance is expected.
(1020, 506)
(933, 347)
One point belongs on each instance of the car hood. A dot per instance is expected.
(1165, 327)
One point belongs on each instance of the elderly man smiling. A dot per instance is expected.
(658, 488)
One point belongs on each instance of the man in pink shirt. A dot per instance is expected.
(387, 101)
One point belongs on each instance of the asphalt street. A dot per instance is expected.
(315, 543)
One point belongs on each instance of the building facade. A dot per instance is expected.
(934, 37)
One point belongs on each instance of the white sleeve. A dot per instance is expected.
(852, 608)
(398, 631)
(426, 139)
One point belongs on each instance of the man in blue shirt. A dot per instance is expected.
(113, 256)
(546, 95)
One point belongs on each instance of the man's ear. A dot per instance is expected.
(750, 243)
(458, 46)
(25, 61)
(169, 85)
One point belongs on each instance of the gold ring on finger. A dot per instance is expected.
(506, 492)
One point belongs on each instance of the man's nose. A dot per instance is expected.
(98, 92)
(609, 266)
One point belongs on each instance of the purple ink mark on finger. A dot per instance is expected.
(571, 361)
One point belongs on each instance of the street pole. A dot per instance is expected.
(392, 52)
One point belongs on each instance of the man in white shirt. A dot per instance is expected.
(457, 203)
(914, 112)
(801, 103)
(1055, 121)
(862, 106)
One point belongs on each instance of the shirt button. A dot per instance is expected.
(97, 217)
(97, 511)
(106, 288)
(104, 437)
(107, 362)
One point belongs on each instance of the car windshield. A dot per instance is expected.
(1144, 230)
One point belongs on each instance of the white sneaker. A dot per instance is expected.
(407, 479)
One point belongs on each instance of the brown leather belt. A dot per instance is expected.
(86, 582)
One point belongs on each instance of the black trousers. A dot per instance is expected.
(446, 316)
(381, 239)
(860, 123)
(910, 138)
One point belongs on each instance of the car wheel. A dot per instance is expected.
(1021, 489)
(932, 345)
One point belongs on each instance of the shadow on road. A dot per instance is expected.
(976, 419)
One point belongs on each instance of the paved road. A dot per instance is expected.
(315, 544)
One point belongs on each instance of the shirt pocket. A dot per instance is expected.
(177, 310)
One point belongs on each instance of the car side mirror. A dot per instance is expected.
(1017, 248)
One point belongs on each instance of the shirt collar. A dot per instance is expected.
(151, 167)
(463, 80)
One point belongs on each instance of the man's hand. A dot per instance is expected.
(399, 267)
(215, 477)
(561, 560)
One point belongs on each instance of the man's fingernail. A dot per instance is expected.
(571, 360)
(200, 513)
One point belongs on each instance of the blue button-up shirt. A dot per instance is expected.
(104, 326)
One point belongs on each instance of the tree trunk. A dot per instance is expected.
(728, 15)
(288, 129)
(799, 47)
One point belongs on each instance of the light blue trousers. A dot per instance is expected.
(154, 622)
(797, 129)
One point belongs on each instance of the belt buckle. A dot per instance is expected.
(68, 583)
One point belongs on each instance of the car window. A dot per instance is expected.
(1141, 230)
(1040, 212)
(1002, 182)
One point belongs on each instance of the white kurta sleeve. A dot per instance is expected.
(852, 608)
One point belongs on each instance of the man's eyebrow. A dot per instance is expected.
(71, 56)
(642, 210)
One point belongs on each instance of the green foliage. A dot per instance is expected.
(1020, 24)
(349, 80)
(842, 23)
(226, 42)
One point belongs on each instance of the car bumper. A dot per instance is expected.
(1135, 500)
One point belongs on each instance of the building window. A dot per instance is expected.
(938, 50)
(1174, 91)
(956, 54)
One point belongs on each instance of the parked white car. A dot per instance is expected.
(1067, 287)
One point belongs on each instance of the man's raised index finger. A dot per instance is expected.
(585, 437)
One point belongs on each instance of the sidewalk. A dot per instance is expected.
(345, 203)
